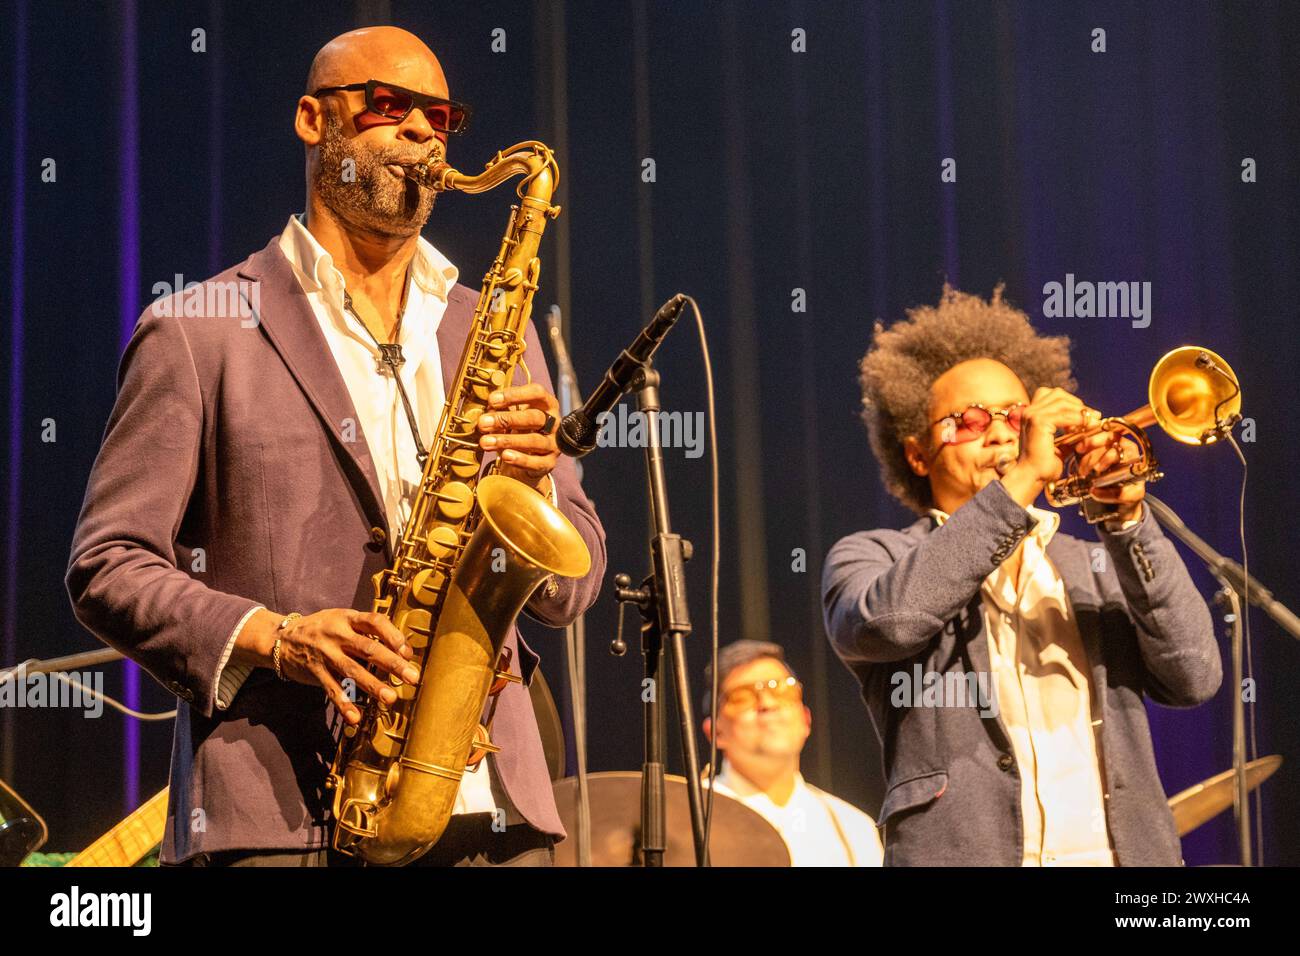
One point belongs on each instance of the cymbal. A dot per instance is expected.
(740, 836)
(548, 724)
(1209, 798)
(22, 831)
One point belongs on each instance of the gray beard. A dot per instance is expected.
(363, 193)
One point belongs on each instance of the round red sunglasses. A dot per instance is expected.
(974, 420)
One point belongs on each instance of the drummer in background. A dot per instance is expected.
(762, 727)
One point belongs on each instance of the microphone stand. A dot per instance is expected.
(1229, 600)
(103, 655)
(665, 618)
(1235, 587)
(575, 634)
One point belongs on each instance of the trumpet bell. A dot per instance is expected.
(1194, 397)
(1189, 399)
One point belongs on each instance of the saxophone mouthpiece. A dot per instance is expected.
(423, 172)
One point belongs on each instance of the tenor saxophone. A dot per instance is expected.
(474, 550)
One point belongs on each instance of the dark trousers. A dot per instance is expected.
(469, 840)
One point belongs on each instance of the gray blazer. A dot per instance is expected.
(229, 436)
(896, 598)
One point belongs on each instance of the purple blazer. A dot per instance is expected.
(226, 480)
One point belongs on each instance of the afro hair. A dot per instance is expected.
(905, 359)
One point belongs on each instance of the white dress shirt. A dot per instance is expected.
(1044, 693)
(382, 418)
(818, 828)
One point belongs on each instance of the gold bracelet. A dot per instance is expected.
(275, 648)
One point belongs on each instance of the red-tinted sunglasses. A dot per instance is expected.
(974, 420)
(396, 102)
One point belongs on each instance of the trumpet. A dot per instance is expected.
(1194, 397)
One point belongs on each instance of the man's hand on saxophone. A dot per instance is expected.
(523, 431)
(326, 648)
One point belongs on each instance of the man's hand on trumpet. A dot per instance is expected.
(1051, 411)
(1106, 452)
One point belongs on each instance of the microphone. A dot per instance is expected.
(578, 430)
(1222, 427)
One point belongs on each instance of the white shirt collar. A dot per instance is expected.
(430, 269)
(743, 787)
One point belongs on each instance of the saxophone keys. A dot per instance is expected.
(405, 691)
(455, 500)
(463, 462)
(495, 381)
(441, 541)
(501, 675)
(413, 619)
(481, 747)
(465, 424)
(388, 738)
(414, 624)
(386, 746)
(426, 586)
(500, 679)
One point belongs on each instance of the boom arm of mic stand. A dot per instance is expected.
(103, 655)
(1225, 568)
(1235, 581)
